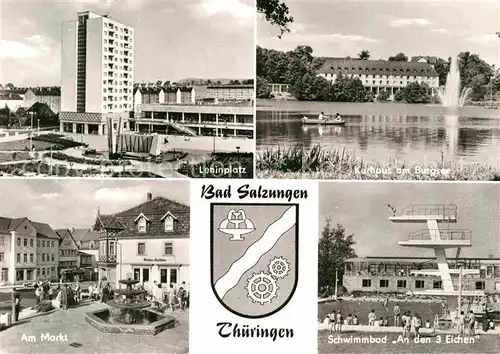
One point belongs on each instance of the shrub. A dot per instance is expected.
(59, 140)
(69, 158)
(44, 306)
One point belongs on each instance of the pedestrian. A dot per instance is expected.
(397, 312)
(171, 297)
(371, 318)
(64, 298)
(472, 323)
(17, 306)
(461, 323)
(338, 322)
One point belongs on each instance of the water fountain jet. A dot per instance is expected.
(452, 96)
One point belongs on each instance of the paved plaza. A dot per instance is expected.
(83, 338)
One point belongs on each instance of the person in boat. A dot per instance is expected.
(322, 117)
(338, 117)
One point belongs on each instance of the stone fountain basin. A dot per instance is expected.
(96, 320)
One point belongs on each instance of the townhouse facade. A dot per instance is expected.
(149, 242)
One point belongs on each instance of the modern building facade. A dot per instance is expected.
(379, 75)
(96, 73)
(51, 96)
(205, 120)
(167, 94)
(231, 92)
(149, 242)
(394, 274)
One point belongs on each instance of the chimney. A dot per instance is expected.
(150, 196)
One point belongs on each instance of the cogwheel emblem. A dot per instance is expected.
(262, 288)
(279, 267)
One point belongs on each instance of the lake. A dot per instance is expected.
(415, 134)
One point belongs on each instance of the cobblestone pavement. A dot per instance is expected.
(71, 323)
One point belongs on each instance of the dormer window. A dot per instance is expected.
(168, 221)
(141, 225)
(142, 222)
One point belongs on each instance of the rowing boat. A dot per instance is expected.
(307, 121)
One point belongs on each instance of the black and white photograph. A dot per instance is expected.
(127, 88)
(378, 90)
(91, 266)
(409, 268)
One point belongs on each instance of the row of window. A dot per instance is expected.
(142, 224)
(117, 98)
(419, 284)
(121, 83)
(44, 257)
(117, 60)
(112, 26)
(120, 106)
(39, 243)
(167, 276)
(168, 249)
(127, 52)
(397, 77)
(67, 253)
(111, 74)
(422, 71)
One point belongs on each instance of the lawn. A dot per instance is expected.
(24, 145)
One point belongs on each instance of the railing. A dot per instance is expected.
(107, 259)
(444, 235)
(446, 211)
(467, 284)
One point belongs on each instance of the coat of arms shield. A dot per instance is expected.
(254, 256)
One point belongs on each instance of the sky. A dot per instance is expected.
(436, 28)
(65, 203)
(362, 209)
(173, 39)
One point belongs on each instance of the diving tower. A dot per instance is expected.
(439, 236)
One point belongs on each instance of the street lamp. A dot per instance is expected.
(215, 134)
(31, 131)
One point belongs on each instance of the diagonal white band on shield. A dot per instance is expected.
(253, 254)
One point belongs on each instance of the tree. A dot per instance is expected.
(399, 57)
(276, 13)
(364, 55)
(263, 90)
(442, 67)
(383, 96)
(334, 248)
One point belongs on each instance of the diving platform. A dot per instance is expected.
(421, 213)
(439, 238)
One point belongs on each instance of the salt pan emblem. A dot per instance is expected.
(254, 257)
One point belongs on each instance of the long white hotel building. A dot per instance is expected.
(97, 73)
(378, 75)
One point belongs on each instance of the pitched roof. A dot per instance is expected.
(10, 96)
(430, 59)
(47, 91)
(41, 109)
(5, 224)
(154, 210)
(66, 234)
(43, 229)
(84, 235)
(376, 67)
